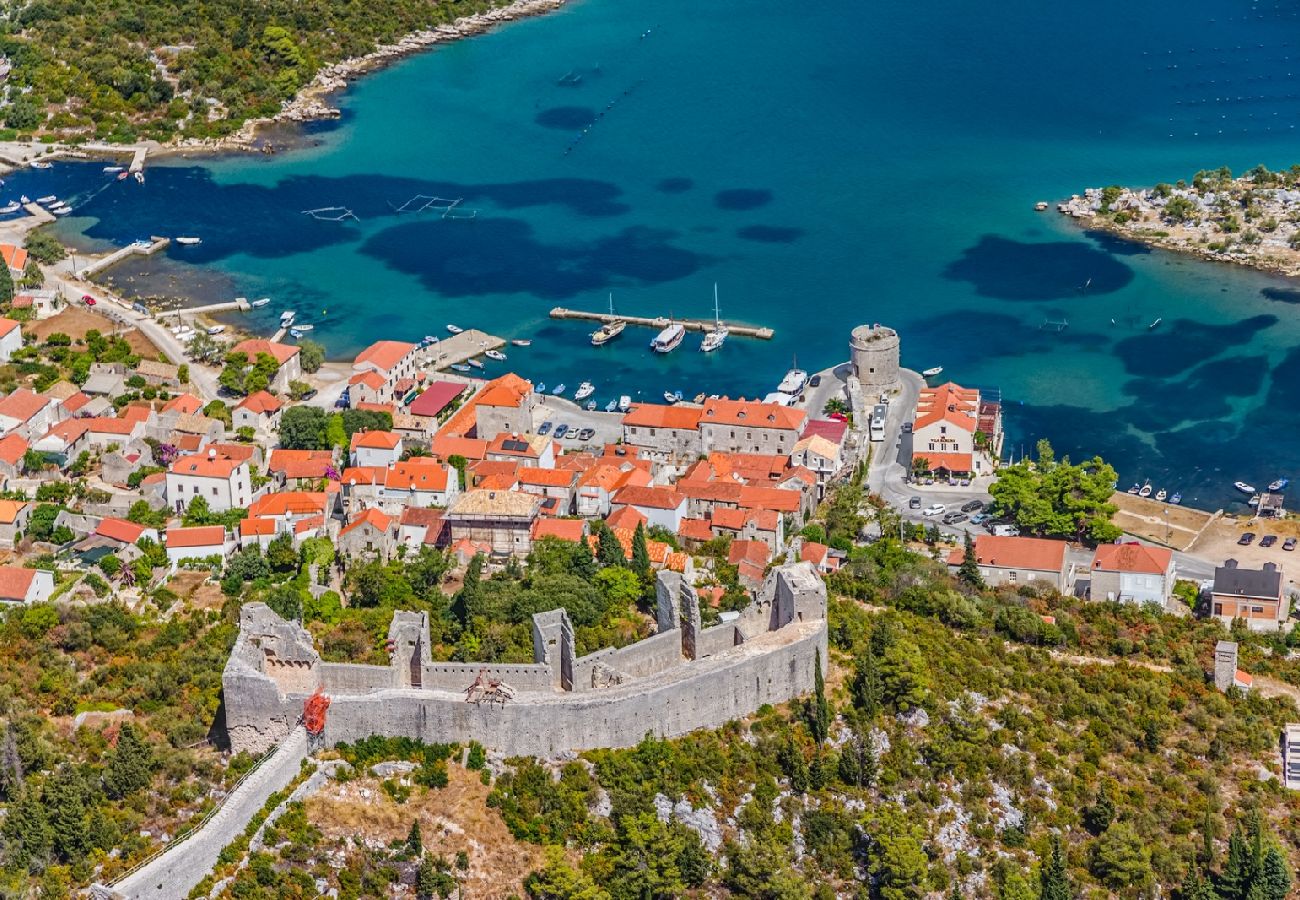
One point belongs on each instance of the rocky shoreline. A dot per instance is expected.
(311, 102)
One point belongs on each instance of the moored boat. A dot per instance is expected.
(474, 362)
(1145, 491)
(717, 335)
(558, 389)
(455, 329)
(495, 354)
(793, 382)
(671, 397)
(591, 406)
(216, 330)
(48, 198)
(1244, 487)
(303, 328)
(61, 211)
(295, 332)
(189, 241)
(1176, 499)
(624, 403)
(1253, 501)
(668, 340)
(11, 207)
(139, 177)
(37, 164)
(122, 176)
(1135, 488)
(930, 373)
(611, 406)
(460, 367)
(522, 342)
(286, 318)
(1161, 495)
(258, 304)
(109, 170)
(610, 330)
(585, 390)
(540, 387)
(1279, 485)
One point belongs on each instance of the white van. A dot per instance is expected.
(1004, 530)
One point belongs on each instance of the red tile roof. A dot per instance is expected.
(1137, 558)
(436, 397)
(282, 352)
(948, 402)
(752, 414)
(545, 477)
(813, 552)
(370, 378)
(203, 466)
(947, 462)
(75, 402)
(12, 448)
(376, 440)
(372, 517)
(256, 526)
(300, 463)
(22, 404)
(755, 552)
(6, 325)
(420, 516)
(282, 502)
(628, 517)
(1035, 554)
(447, 446)
(103, 425)
(657, 415)
(564, 529)
(15, 582)
(649, 497)
(260, 403)
(199, 536)
(15, 257)
(383, 355)
(119, 530)
(419, 474)
(695, 530)
(831, 429)
(183, 403)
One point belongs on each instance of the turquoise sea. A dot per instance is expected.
(825, 164)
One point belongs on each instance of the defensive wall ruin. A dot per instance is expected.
(682, 678)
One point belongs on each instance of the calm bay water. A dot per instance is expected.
(826, 165)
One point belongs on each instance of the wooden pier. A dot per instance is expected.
(663, 322)
(137, 248)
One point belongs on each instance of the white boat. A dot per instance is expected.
(671, 397)
(48, 198)
(585, 390)
(1253, 501)
(37, 164)
(611, 406)
(495, 354)
(624, 403)
(474, 362)
(610, 330)
(793, 382)
(1176, 499)
(591, 406)
(455, 329)
(258, 304)
(139, 177)
(24, 199)
(189, 241)
(216, 329)
(296, 332)
(522, 342)
(109, 170)
(1279, 485)
(717, 335)
(1243, 487)
(1145, 491)
(286, 318)
(460, 367)
(12, 207)
(930, 373)
(61, 211)
(540, 387)
(558, 389)
(1161, 495)
(668, 340)
(304, 328)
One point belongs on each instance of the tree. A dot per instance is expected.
(557, 880)
(6, 285)
(44, 247)
(1053, 880)
(969, 570)
(609, 550)
(281, 555)
(234, 374)
(1196, 887)
(311, 356)
(643, 861)
(303, 428)
(583, 562)
(904, 678)
(818, 711)
(65, 798)
(1058, 499)
(468, 602)
(1234, 881)
(1121, 860)
(895, 857)
(1275, 875)
(130, 767)
(620, 588)
(33, 461)
(141, 513)
(640, 552)
(27, 827)
(1098, 816)
(245, 566)
(335, 434)
(198, 512)
(414, 843)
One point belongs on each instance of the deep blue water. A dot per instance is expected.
(827, 165)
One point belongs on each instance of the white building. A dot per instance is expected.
(1291, 756)
(393, 361)
(19, 585)
(1132, 573)
(11, 338)
(198, 542)
(376, 448)
(224, 483)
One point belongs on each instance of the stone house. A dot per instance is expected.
(525, 449)
(392, 361)
(662, 506)
(286, 355)
(501, 519)
(159, 374)
(12, 449)
(370, 535)
(1253, 595)
(740, 426)
(375, 448)
(554, 486)
(13, 521)
(198, 542)
(224, 483)
(1018, 560)
(597, 486)
(29, 414)
(663, 433)
(956, 431)
(505, 405)
(259, 411)
(1132, 573)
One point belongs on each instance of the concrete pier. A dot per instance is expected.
(468, 344)
(240, 305)
(662, 322)
(135, 249)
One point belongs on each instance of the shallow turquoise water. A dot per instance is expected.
(825, 165)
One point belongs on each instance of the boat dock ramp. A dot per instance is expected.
(240, 305)
(138, 248)
(662, 322)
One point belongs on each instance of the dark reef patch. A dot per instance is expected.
(565, 118)
(1015, 270)
(742, 198)
(1180, 345)
(769, 234)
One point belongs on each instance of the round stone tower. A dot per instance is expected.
(873, 352)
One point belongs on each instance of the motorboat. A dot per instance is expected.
(495, 354)
(455, 329)
(61, 211)
(717, 335)
(37, 164)
(1279, 485)
(258, 304)
(590, 406)
(1145, 491)
(216, 330)
(930, 373)
(558, 389)
(474, 362)
(1135, 488)
(699, 398)
(793, 382)
(1253, 501)
(47, 199)
(122, 176)
(139, 177)
(189, 241)
(296, 332)
(1161, 495)
(522, 342)
(611, 406)
(460, 367)
(624, 403)
(585, 390)
(12, 207)
(24, 199)
(303, 328)
(1176, 499)
(671, 397)
(541, 387)
(668, 340)
(286, 318)
(109, 170)
(1243, 487)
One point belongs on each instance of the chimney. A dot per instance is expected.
(212, 453)
(1230, 564)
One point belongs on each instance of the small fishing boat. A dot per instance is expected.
(47, 199)
(1176, 499)
(189, 241)
(585, 390)
(139, 177)
(624, 403)
(37, 164)
(1145, 491)
(558, 389)
(258, 304)
(109, 170)
(591, 406)
(460, 367)
(699, 398)
(1279, 485)
(11, 207)
(296, 332)
(1253, 501)
(216, 330)
(123, 176)
(1161, 495)
(1135, 488)
(455, 329)
(286, 318)
(522, 342)
(24, 199)
(930, 373)
(1244, 487)
(611, 406)
(541, 387)
(429, 340)
(61, 211)
(1155, 323)
(474, 362)
(609, 330)
(671, 397)
(303, 328)
(495, 354)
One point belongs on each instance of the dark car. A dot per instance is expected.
(1268, 540)
(544, 428)
(914, 503)
(560, 431)
(814, 381)
(1288, 544)
(586, 434)
(972, 506)
(954, 517)
(907, 428)
(1246, 539)
(309, 394)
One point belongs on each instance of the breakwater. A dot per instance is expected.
(560, 312)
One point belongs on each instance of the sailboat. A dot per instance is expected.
(609, 330)
(718, 334)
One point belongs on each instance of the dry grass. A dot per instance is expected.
(196, 591)
(75, 321)
(1174, 526)
(452, 819)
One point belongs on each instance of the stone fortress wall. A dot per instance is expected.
(682, 678)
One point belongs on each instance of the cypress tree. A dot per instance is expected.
(414, 842)
(130, 768)
(469, 600)
(818, 709)
(1207, 840)
(1196, 887)
(969, 571)
(6, 285)
(1234, 881)
(1054, 881)
(609, 550)
(584, 562)
(640, 552)
(1275, 875)
(866, 688)
(1097, 818)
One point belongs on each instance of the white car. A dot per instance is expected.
(934, 509)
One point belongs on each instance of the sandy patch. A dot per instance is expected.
(75, 321)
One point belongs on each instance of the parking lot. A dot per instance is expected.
(606, 428)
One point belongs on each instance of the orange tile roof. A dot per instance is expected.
(376, 440)
(626, 517)
(695, 530)
(6, 325)
(370, 378)
(75, 402)
(606, 477)
(15, 582)
(377, 407)
(545, 477)
(260, 403)
(651, 497)
(509, 391)
(779, 499)
(813, 552)
(102, 425)
(119, 530)
(187, 442)
(281, 352)
(749, 466)
(199, 536)
(203, 466)
(1138, 558)
(256, 526)
(948, 402)
(497, 481)
(183, 403)
(300, 463)
(420, 516)
(12, 448)
(446, 446)
(383, 355)
(283, 502)
(14, 257)
(133, 413)
(948, 462)
(752, 414)
(1037, 554)
(564, 529)
(235, 451)
(425, 475)
(372, 517)
(754, 552)
(22, 404)
(1243, 678)
(658, 415)
(69, 430)
(365, 475)
(10, 510)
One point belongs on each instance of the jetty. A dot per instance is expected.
(137, 248)
(702, 325)
(468, 344)
(240, 305)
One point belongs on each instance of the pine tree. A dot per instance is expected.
(1097, 818)
(818, 709)
(130, 767)
(426, 879)
(1234, 881)
(1275, 875)
(640, 552)
(1207, 839)
(584, 562)
(609, 550)
(1054, 881)
(469, 600)
(414, 842)
(969, 571)
(1196, 887)
(6, 285)
(65, 798)
(27, 828)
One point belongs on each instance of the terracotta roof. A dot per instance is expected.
(183, 403)
(10, 510)
(383, 355)
(948, 402)
(15, 582)
(300, 463)
(729, 518)
(508, 391)
(446, 446)
(235, 451)
(377, 407)
(119, 530)
(74, 403)
(370, 378)
(610, 477)
(187, 443)
(14, 257)
(650, 497)
(7, 325)
(419, 474)
(22, 404)
(282, 502)
(565, 529)
(628, 517)
(813, 552)
(260, 403)
(658, 415)
(256, 526)
(436, 397)
(1137, 558)
(282, 352)
(103, 425)
(199, 536)
(12, 448)
(948, 462)
(371, 517)
(497, 481)
(420, 516)
(752, 414)
(376, 440)
(545, 477)
(135, 412)
(203, 466)
(1036, 554)
(754, 552)
(69, 430)
(815, 443)
(695, 530)
(779, 499)
(1243, 678)
(831, 429)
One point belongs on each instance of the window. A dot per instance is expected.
(214, 492)
(1257, 609)
(1218, 609)
(1011, 577)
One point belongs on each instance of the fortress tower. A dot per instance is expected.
(873, 351)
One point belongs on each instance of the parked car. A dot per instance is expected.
(309, 394)
(907, 428)
(914, 503)
(90, 301)
(1002, 529)
(979, 518)
(1288, 544)
(972, 506)
(544, 428)
(561, 430)
(814, 381)
(954, 517)
(1246, 539)
(586, 434)
(1268, 540)
(936, 509)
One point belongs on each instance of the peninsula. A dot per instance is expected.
(1252, 219)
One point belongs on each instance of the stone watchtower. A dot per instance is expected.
(1225, 664)
(873, 352)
